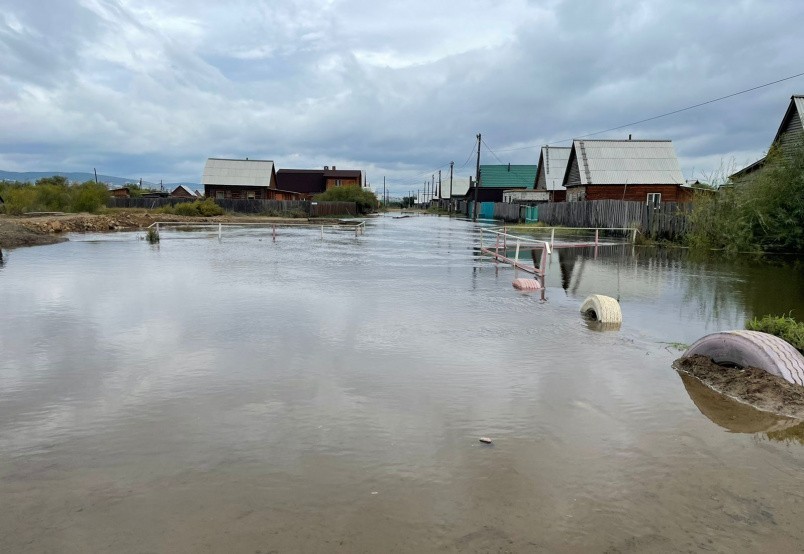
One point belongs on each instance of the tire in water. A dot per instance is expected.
(604, 309)
(752, 349)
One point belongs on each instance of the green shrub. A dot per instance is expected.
(152, 235)
(88, 197)
(186, 208)
(761, 212)
(198, 208)
(208, 207)
(784, 327)
(365, 199)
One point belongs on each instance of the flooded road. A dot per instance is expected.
(310, 395)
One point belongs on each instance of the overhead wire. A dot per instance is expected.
(698, 105)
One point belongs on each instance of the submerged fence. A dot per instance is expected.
(261, 207)
(668, 220)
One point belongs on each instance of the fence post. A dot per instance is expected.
(597, 231)
(516, 256)
(322, 232)
(220, 231)
(273, 232)
(552, 237)
(633, 238)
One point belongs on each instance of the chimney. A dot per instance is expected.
(326, 168)
(333, 168)
(509, 168)
(629, 136)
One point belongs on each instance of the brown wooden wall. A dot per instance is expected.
(238, 193)
(635, 193)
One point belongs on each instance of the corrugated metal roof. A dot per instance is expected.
(553, 162)
(251, 173)
(507, 176)
(617, 162)
(459, 186)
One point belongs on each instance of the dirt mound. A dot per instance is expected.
(13, 235)
(751, 386)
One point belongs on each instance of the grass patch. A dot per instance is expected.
(784, 327)
(198, 208)
(152, 235)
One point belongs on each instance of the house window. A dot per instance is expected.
(219, 194)
(654, 199)
(337, 182)
(250, 195)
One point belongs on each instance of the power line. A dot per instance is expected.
(661, 115)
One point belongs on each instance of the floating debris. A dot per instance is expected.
(485, 440)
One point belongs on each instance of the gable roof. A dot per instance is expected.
(553, 165)
(186, 189)
(794, 110)
(620, 162)
(250, 173)
(507, 176)
(793, 119)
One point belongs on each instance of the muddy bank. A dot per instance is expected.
(13, 235)
(31, 231)
(750, 385)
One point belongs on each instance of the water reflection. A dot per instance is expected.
(246, 394)
(731, 414)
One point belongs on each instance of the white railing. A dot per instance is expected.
(359, 227)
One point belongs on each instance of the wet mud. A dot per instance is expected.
(753, 396)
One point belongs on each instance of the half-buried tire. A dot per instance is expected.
(752, 349)
(526, 284)
(604, 309)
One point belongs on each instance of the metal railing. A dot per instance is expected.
(359, 227)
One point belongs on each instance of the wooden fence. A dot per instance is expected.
(665, 221)
(262, 207)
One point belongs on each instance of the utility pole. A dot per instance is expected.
(432, 186)
(477, 178)
(96, 175)
(451, 164)
(439, 187)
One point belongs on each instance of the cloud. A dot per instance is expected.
(153, 88)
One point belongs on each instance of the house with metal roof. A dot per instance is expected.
(550, 173)
(496, 179)
(789, 135)
(636, 170)
(309, 182)
(232, 179)
(183, 191)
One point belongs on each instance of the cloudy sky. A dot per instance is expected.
(151, 88)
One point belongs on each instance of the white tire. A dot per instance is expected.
(604, 309)
(752, 349)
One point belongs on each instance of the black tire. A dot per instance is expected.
(752, 349)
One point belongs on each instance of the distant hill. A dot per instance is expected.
(80, 177)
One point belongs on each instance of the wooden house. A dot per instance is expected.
(789, 136)
(635, 170)
(342, 178)
(122, 192)
(233, 179)
(305, 182)
(183, 191)
(495, 180)
(550, 172)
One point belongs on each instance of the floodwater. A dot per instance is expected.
(310, 395)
